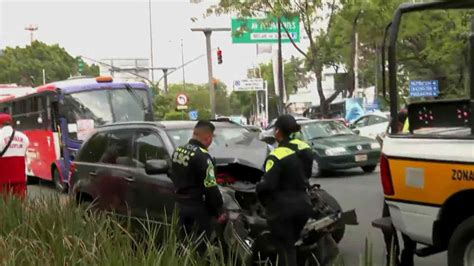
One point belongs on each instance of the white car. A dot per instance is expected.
(371, 125)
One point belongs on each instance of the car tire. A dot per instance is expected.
(461, 244)
(318, 172)
(339, 227)
(61, 187)
(369, 168)
(315, 171)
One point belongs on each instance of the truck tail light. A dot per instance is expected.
(386, 176)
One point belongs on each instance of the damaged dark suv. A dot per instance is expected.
(124, 168)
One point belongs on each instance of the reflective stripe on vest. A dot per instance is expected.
(301, 144)
(282, 152)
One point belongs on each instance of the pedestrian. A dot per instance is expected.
(198, 196)
(13, 147)
(283, 193)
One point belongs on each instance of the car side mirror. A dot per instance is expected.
(155, 167)
(356, 131)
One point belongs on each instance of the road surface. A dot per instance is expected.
(355, 189)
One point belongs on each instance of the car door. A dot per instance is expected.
(84, 178)
(153, 194)
(378, 125)
(115, 173)
(361, 125)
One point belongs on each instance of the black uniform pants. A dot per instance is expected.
(195, 224)
(285, 232)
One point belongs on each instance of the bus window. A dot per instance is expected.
(126, 107)
(88, 105)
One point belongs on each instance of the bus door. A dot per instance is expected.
(33, 117)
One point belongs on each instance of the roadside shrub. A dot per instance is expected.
(52, 231)
(175, 115)
(55, 231)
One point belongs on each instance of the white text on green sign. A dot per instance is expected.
(252, 30)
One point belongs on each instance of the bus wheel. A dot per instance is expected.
(58, 183)
(461, 244)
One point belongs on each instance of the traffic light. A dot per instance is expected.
(219, 56)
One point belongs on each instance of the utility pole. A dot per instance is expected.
(151, 44)
(281, 109)
(165, 75)
(212, 94)
(356, 66)
(31, 28)
(182, 63)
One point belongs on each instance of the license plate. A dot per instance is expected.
(361, 158)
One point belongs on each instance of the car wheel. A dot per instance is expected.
(318, 172)
(339, 228)
(461, 244)
(369, 168)
(315, 172)
(58, 183)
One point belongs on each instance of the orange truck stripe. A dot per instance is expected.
(440, 180)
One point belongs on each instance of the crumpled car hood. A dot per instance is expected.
(251, 153)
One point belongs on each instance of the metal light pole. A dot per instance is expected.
(151, 44)
(212, 94)
(165, 75)
(280, 72)
(182, 63)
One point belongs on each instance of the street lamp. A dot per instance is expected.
(151, 43)
(212, 94)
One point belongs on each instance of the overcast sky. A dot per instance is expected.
(120, 29)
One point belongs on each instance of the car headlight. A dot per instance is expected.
(374, 145)
(336, 151)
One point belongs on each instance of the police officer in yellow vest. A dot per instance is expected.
(283, 192)
(302, 149)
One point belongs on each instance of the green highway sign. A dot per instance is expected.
(262, 30)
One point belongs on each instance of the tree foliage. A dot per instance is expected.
(312, 14)
(431, 44)
(198, 94)
(25, 66)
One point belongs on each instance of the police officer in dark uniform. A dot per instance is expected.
(283, 193)
(302, 149)
(199, 198)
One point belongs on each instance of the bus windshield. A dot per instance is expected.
(100, 107)
(432, 65)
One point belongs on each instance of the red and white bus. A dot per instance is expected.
(57, 117)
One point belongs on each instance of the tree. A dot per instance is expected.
(198, 94)
(25, 66)
(311, 14)
(431, 44)
(295, 76)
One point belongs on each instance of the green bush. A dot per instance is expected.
(175, 115)
(50, 231)
(55, 231)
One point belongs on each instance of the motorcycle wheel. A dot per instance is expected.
(340, 227)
